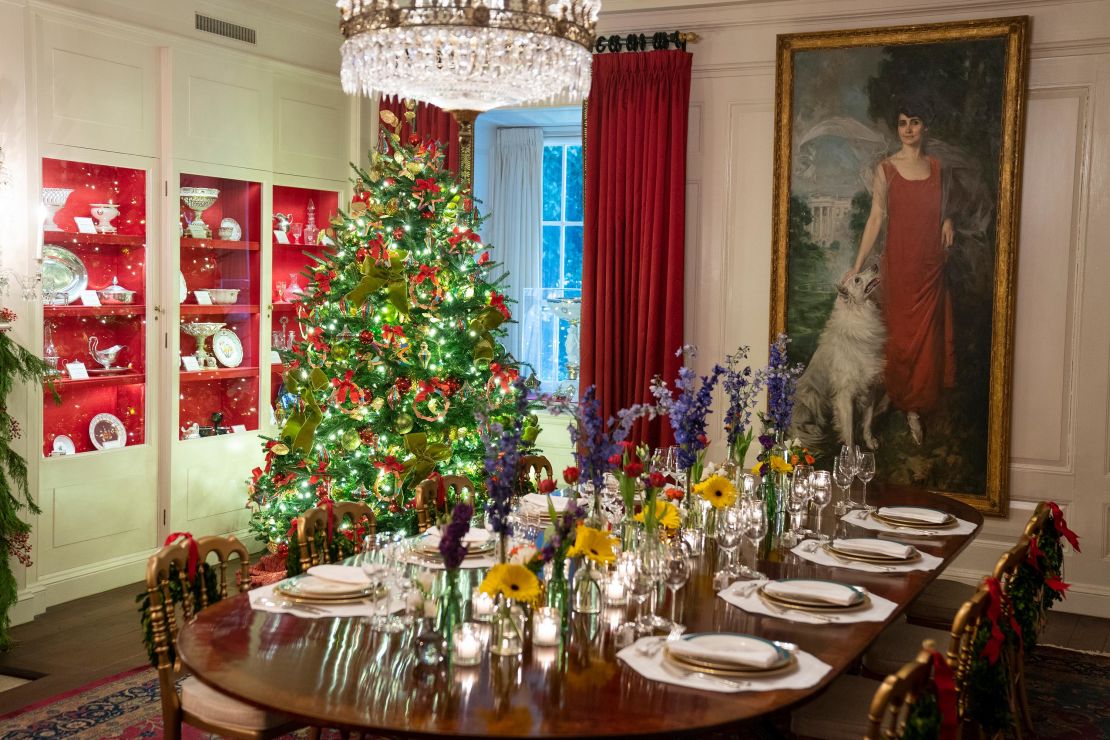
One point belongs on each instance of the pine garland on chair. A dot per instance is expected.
(16, 364)
(923, 719)
(206, 579)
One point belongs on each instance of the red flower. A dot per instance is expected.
(570, 475)
(656, 479)
(615, 460)
(704, 440)
(674, 494)
(547, 485)
(498, 301)
(483, 258)
(633, 469)
(627, 445)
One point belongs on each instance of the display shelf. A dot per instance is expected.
(223, 373)
(193, 309)
(63, 384)
(118, 309)
(220, 244)
(286, 306)
(67, 239)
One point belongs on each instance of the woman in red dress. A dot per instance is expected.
(908, 196)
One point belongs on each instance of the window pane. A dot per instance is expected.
(574, 183)
(552, 183)
(573, 267)
(564, 327)
(552, 263)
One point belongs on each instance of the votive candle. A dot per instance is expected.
(467, 644)
(481, 607)
(545, 626)
(615, 592)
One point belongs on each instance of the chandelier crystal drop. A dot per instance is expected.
(469, 54)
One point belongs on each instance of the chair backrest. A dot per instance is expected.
(174, 600)
(1038, 521)
(457, 487)
(897, 695)
(312, 529)
(535, 468)
(1007, 566)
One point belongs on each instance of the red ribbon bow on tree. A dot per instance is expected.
(321, 472)
(426, 185)
(498, 301)
(390, 465)
(1062, 525)
(945, 683)
(194, 552)
(993, 648)
(461, 235)
(502, 376)
(346, 388)
(427, 273)
(392, 333)
(329, 506)
(428, 387)
(378, 250)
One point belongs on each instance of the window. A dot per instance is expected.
(561, 259)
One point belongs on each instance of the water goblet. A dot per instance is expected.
(821, 495)
(641, 586)
(749, 486)
(728, 538)
(865, 472)
(843, 480)
(796, 503)
(676, 575)
(755, 529)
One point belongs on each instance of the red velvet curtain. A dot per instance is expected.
(431, 123)
(634, 243)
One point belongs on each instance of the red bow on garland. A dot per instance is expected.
(329, 506)
(194, 551)
(346, 388)
(502, 376)
(427, 273)
(390, 465)
(993, 648)
(441, 491)
(392, 333)
(946, 696)
(428, 387)
(498, 301)
(1062, 525)
(1034, 560)
(426, 185)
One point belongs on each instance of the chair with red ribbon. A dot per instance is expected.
(333, 530)
(181, 581)
(436, 495)
(923, 691)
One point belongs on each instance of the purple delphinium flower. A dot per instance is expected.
(451, 545)
(689, 409)
(596, 441)
(560, 535)
(780, 378)
(742, 391)
(502, 461)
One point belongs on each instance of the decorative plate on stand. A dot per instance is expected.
(63, 275)
(182, 288)
(63, 445)
(227, 348)
(107, 432)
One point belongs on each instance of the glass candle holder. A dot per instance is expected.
(615, 592)
(481, 607)
(545, 626)
(467, 644)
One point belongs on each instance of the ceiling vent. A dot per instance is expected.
(225, 29)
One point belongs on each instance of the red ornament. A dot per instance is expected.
(366, 336)
(361, 254)
(403, 384)
(368, 436)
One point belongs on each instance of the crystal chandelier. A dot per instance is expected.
(469, 54)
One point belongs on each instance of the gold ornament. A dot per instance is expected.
(377, 403)
(280, 449)
(351, 440)
(403, 423)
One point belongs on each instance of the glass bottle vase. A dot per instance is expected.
(449, 611)
(506, 635)
(587, 588)
(557, 596)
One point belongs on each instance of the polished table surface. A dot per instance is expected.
(338, 672)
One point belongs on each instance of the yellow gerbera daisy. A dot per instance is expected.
(717, 490)
(511, 580)
(592, 544)
(665, 514)
(778, 465)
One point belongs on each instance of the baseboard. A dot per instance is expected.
(1082, 598)
(75, 583)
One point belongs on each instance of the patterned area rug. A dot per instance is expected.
(1068, 690)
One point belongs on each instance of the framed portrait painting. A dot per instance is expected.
(897, 177)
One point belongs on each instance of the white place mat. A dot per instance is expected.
(810, 550)
(744, 595)
(265, 599)
(432, 562)
(860, 518)
(809, 671)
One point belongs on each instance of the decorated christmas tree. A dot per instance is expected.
(401, 355)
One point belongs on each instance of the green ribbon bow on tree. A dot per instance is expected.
(300, 427)
(374, 276)
(424, 455)
(486, 321)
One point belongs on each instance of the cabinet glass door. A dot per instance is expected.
(219, 291)
(94, 250)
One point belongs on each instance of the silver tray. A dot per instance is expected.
(63, 273)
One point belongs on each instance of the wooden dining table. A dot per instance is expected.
(340, 672)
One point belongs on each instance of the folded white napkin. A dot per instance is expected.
(914, 514)
(538, 502)
(726, 649)
(347, 574)
(472, 537)
(828, 593)
(315, 586)
(882, 548)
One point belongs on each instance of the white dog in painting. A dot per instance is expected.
(846, 372)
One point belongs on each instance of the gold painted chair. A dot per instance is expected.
(174, 601)
(535, 468)
(458, 487)
(312, 530)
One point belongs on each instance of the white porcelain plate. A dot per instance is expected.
(63, 445)
(227, 348)
(233, 225)
(107, 432)
(182, 288)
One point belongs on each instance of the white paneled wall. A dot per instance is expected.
(1061, 424)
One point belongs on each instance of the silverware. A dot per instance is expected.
(291, 606)
(677, 672)
(786, 611)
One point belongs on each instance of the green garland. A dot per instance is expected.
(923, 719)
(206, 579)
(16, 364)
(988, 686)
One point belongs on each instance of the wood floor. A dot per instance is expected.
(81, 641)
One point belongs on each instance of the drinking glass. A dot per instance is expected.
(676, 574)
(755, 528)
(296, 230)
(749, 486)
(822, 494)
(641, 585)
(843, 480)
(865, 472)
(797, 503)
(728, 536)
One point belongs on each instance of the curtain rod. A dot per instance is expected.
(642, 42)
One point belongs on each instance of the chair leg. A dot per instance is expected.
(1023, 702)
(313, 733)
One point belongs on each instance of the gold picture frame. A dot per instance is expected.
(823, 82)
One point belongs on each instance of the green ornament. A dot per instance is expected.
(351, 440)
(403, 423)
(340, 352)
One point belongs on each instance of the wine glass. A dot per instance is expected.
(798, 501)
(865, 472)
(641, 586)
(728, 537)
(755, 528)
(749, 486)
(675, 576)
(822, 494)
(297, 229)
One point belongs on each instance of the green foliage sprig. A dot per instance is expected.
(206, 580)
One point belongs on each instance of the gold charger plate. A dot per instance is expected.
(325, 602)
(865, 558)
(915, 523)
(288, 588)
(811, 606)
(715, 669)
(473, 552)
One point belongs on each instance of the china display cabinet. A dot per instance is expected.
(219, 290)
(94, 267)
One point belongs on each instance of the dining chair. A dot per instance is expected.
(174, 601)
(312, 531)
(458, 488)
(534, 468)
(854, 706)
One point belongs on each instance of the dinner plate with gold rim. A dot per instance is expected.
(869, 558)
(787, 661)
(293, 587)
(719, 641)
(474, 549)
(318, 601)
(816, 605)
(915, 523)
